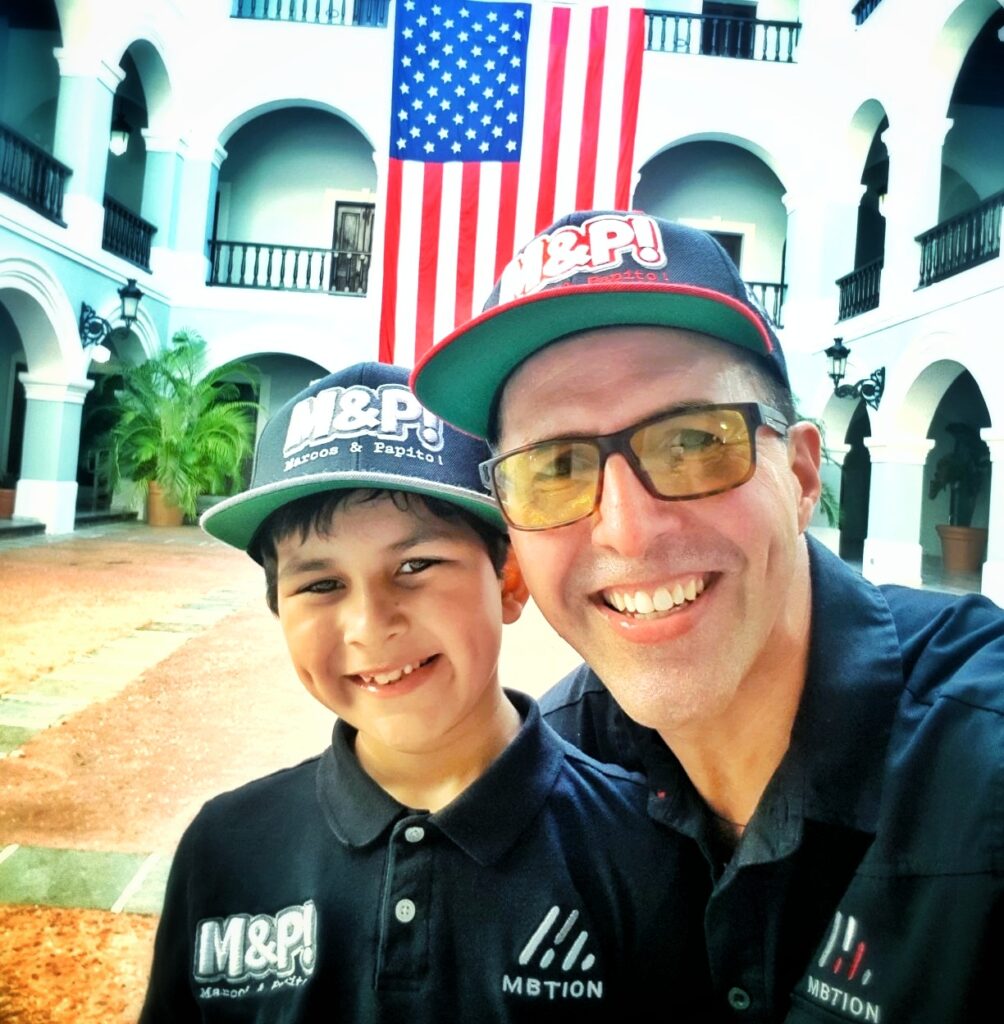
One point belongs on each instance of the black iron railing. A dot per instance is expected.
(770, 295)
(371, 13)
(718, 36)
(126, 234)
(288, 267)
(31, 176)
(962, 242)
(859, 290)
(862, 10)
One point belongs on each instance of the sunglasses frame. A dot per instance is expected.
(754, 414)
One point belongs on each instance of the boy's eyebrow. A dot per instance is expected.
(298, 565)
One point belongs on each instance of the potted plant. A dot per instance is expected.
(181, 432)
(964, 472)
(8, 490)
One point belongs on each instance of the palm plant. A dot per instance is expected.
(181, 427)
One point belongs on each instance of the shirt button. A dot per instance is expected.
(414, 834)
(404, 911)
(739, 998)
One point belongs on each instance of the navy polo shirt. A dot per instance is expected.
(537, 895)
(868, 885)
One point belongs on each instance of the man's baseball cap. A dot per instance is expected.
(593, 268)
(359, 427)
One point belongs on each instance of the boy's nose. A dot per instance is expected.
(370, 616)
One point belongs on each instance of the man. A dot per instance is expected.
(825, 755)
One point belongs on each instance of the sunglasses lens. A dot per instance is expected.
(548, 485)
(695, 453)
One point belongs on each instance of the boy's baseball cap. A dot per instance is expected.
(359, 427)
(593, 268)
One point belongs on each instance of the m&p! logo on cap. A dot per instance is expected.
(596, 245)
(389, 413)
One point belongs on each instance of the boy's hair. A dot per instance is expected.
(315, 513)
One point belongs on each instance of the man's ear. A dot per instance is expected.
(804, 456)
(514, 592)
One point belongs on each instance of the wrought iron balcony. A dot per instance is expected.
(961, 242)
(859, 290)
(719, 36)
(31, 176)
(127, 235)
(278, 267)
(371, 13)
(862, 10)
(770, 295)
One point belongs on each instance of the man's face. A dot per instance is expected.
(729, 560)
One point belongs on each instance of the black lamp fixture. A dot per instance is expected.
(95, 329)
(870, 389)
(118, 141)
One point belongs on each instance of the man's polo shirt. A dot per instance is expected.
(868, 885)
(537, 895)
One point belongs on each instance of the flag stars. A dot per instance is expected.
(492, 16)
(472, 107)
(435, 35)
(420, 48)
(497, 132)
(512, 117)
(429, 147)
(407, 33)
(458, 118)
(486, 120)
(404, 87)
(455, 147)
(464, 12)
(415, 133)
(433, 90)
(430, 118)
(510, 146)
(402, 143)
(447, 50)
(483, 147)
(460, 91)
(443, 133)
(471, 134)
(402, 114)
(422, 21)
(416, 104)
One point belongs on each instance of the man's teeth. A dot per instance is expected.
(383, 678)
(662, 599)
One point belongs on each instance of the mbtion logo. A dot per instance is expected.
(843, 957)
(549, 941)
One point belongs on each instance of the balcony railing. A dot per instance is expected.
(31, 176)
(288, 267)
(126, 234)
(859, 290)
(862, 10)
(962, 242)
(371, 13)
(717, 36)
(771, 296)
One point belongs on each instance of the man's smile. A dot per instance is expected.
(644, 602)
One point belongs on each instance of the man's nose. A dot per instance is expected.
(628, 518)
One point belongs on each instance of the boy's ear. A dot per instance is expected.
(514, 592)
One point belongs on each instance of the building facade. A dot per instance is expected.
(231, 156)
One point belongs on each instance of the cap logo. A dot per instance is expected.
(389, 413)
(595, 246)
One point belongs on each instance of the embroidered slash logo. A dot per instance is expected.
(559, 947)
(844, 973)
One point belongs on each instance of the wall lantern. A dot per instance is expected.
(118, 142)
(870, 389)
(95, 329)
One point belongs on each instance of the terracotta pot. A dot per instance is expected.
(159, 510)
(963, 548)
(7, 502)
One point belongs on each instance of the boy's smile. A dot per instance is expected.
(393, 620)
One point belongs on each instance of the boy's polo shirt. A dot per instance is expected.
(536, 895)
(869, 885)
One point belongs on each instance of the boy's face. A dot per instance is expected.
(393, 621)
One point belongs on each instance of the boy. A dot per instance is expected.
(448, 858)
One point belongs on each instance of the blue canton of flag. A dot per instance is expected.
(459, 78)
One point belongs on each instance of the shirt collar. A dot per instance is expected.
(485, 820)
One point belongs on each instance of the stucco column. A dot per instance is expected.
(160, 183)
(993, 568)
(820, 248)
(196, 195)
(911, 204)
(47, 489)
(892, 548)
(87, 87)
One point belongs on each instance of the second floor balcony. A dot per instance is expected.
(965, 241)
(126, 234)
(859, 290)
(717, 35)
(371, 13)
(32, 176)
(280, 267)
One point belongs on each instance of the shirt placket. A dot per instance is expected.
(406, 905)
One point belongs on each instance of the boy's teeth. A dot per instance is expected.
(662, 599)
(383, 678)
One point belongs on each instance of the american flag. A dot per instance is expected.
(504, 117)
